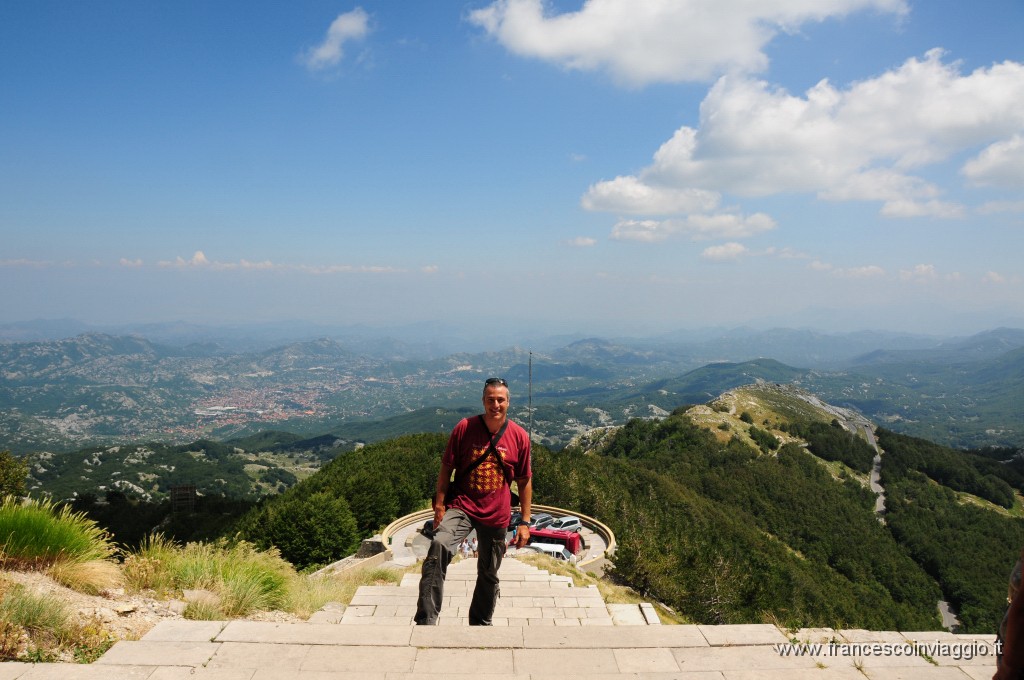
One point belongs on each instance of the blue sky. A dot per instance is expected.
(603, 166)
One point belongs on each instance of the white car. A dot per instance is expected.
(559, 552)
(569, 523)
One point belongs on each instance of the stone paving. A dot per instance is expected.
(373, 639)
(529, 597)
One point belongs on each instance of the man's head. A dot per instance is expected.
(495, 399)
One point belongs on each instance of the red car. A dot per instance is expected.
(570, 539)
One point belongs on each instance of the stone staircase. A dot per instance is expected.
(544, 628)
(529, 597)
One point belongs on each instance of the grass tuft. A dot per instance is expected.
(244, 579)
(93, 577)
(204, 610)
(35, 613)
(309, 594)
(36, 534)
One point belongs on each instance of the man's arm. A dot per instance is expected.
(1013, 643)
(525, 502)
(443, 479)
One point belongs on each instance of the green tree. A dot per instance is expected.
(314, 530)
(13, 472)
(766, 440)
(372, 498)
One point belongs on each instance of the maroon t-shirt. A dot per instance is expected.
(483, 493)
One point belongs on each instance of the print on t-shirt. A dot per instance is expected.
(487, 477)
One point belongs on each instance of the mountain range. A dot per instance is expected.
(759, 503)
(98, 389)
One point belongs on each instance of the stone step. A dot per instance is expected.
(387, 647)
(529, 597)
(616, 649)
(248, 650)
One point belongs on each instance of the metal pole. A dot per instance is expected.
(530, 398)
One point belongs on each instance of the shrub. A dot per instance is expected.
(244, 579)
(309, 531)
(36, 534)
(13, 472)
(72, 548)
(309, 594)
(92, 577)
(36, 613)
(31, 625)
(204, 610)
(148, 568)
(40, 627)
(766, 440)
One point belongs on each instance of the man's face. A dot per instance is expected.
(495, 402)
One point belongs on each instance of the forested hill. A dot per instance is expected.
(728, 533)
(754, 508)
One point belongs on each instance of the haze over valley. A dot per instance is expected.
(96, 389)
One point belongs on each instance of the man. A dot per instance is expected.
(486, 452)
(1010, 653)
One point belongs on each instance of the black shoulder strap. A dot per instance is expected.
(490, 447)
(491, 450)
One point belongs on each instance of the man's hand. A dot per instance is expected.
(438, 515)
(522, 535)
(440, 491)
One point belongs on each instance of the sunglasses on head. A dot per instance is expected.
(496, 381)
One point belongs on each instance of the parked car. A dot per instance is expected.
(569, 523)
(570, 539)
(541, 520)
(559, 552)
(514, 522)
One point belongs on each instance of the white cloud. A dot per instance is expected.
(724, 252)
(581, 242)
(871, 271)
(727, 225)
(639, 43)
(697, 227)
(993, 277)
(630, 195)
(346, 27)
(641, 230)
(860, 143)
(430, 269)
(198, 260)
(920, 273)
(266, 264)
(911, 208)
(23, 262)
(346, 269)
(1000, 164)
(125, 262)
(786, 253)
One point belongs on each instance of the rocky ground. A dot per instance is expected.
(125, 616)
